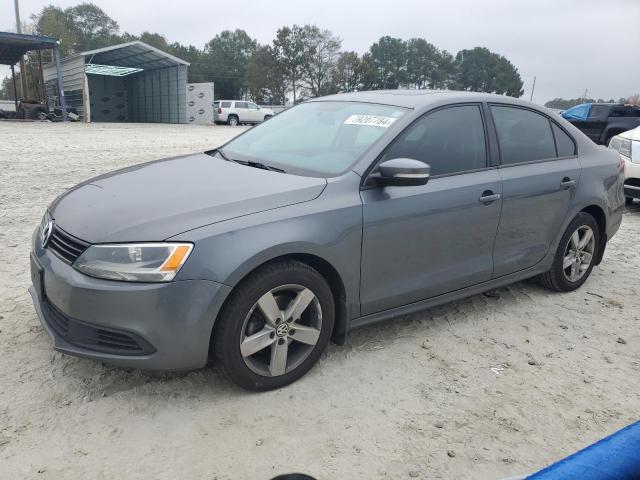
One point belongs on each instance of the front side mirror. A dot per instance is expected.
(401, 172)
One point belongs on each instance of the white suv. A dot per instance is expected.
(628, 146)
(236, 112)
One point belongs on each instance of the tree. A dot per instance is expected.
(265, 77)
(225, 58)
(388, 58)
(55, 22)
(291, 48)
(347, 75)
(321, 50)
(481, 70)
(444, 74)
(155, 40)
(423, 61)
(94, 28)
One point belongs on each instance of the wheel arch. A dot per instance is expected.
(601, 219)
(330, 274)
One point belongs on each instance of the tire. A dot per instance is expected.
(250, 364)
(628, 201)
(233, 121)
(267, 117)
(561, 279)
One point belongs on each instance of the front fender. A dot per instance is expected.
(329, 228)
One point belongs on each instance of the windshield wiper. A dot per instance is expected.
(253, 164)
(248, 163)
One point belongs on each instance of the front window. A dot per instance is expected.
(315, 138)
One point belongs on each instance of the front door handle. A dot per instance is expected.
(488, 197)
(567, 183)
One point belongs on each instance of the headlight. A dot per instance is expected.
(135, 262)
(621, 145)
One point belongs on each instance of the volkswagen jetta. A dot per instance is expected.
(340, 212)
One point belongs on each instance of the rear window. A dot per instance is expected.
(598, 111)
(225, 104)
(564, 143)
(523, 135)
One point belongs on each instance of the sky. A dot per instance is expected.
(569, 45)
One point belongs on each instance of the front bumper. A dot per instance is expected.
(103, 320)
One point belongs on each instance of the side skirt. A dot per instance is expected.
(449, 297)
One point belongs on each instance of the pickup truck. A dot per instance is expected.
(602, 121)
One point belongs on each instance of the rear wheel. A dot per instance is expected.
(275, 326)
(575, 255)
(233, 121)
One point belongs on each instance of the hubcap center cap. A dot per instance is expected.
(282, 330)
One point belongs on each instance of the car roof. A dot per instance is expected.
(419, 98)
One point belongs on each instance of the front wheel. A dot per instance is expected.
(628, 201)
(575, 255)
(267, 117)
(275, 326)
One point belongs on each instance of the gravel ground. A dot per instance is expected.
(488, 387)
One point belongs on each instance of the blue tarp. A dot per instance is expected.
(579, 112)
(616, 457)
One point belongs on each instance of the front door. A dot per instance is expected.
(423, 241)
(255, 114)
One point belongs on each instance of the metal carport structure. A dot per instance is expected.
(129, 82)
(13, 46)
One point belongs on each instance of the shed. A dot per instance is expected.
(13, 47)
(129, 82)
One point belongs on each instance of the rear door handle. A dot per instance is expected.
(488, 197)
(567, 183)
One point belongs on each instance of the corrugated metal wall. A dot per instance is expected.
(73, 73)
(108, 98)
(158, 95)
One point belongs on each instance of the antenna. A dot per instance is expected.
(533, 88)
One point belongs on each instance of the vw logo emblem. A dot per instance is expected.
(46, 233)
(282, 329)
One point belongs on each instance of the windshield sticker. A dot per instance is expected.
(371, 120)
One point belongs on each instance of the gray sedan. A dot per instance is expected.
(340, 212)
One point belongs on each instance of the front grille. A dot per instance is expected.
(65, 245)
(98, 339)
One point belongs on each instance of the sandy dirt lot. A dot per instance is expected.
(484, 388)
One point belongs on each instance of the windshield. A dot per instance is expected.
(315, 138)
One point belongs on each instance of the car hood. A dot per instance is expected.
(157, 200)
(632, 134)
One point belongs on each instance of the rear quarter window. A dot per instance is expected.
(225, 104)
(564, 143)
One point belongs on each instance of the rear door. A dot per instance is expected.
(539, 170)
(243, 112)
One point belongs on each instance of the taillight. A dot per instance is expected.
(219, 110)
(622, 165)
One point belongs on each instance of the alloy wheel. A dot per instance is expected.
(578, 254)
(281, 330)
